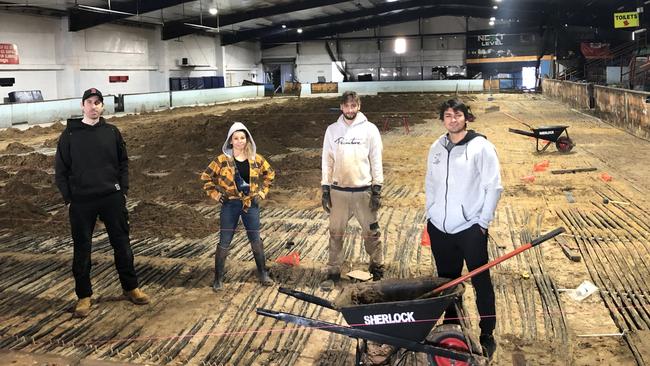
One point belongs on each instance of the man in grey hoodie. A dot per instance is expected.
(463, 186)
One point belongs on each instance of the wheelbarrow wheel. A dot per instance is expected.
(448, 336)
(564, 144)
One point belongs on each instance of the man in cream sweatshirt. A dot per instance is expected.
(352, 179)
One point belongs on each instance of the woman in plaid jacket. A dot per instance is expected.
(239, 179)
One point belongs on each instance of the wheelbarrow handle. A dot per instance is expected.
(307, 297)
(270, 313)
(496, 261)
(522, 132)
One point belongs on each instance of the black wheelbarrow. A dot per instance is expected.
(402, 313)
(549, 134)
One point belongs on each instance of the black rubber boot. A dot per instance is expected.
(488, 344)
(260, 262)
(377, 271)
(219, 267)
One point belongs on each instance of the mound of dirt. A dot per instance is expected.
(180, 184)
(31, 188)
(59, 224)
(150, 219)
(33, 161)
(19, 214)
(18, 148)
(16, 188)
(32, 131)
(48, 196)
(34, 176)
(297, 170)
(4, 174)
(51, 142)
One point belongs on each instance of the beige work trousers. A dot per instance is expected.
(344, 206)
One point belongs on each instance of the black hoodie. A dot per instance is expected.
(91, 161)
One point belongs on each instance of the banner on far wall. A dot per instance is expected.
(9, 54)
(593, 51)
(501, 45)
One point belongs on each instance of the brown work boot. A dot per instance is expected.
(137, 296)
(331, 281)
(82, 309)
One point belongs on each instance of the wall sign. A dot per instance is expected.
(626, 20)
(501, 45)
(8, 54)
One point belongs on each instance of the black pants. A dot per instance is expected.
(112, 211)
(470, 246)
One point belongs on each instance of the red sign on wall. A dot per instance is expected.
(9, 54)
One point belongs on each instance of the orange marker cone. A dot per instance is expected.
(528, 178)
(425, 242)
(606, 177)
(292, 259)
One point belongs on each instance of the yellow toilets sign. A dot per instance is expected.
(626, 20)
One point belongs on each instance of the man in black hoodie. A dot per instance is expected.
(92, 175)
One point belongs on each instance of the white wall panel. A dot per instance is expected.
(284, 51)
(401, 29)
(242, 61)
(62, 64)
(210, 96)
(138, 81)
(45, 112)
(314, 61)
(43, 80)
(444, 24)
(38, 66)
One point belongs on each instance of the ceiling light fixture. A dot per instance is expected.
(495, 7)
(284, 26)
(203, 27)
(493, 18)
(400, 45)
(103, 10)
(299, 30)
(213, 11)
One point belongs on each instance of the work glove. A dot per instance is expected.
(223, 198)
(326, 199)
(375, 197)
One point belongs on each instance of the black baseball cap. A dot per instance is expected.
(90, 92)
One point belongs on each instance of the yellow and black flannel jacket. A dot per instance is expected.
(219, 179)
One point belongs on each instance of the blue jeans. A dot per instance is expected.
(229, 216)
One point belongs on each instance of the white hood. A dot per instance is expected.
(238, 126)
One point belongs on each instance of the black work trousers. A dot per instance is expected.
(112, 211)
(468, 246)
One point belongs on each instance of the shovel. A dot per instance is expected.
(463, 278)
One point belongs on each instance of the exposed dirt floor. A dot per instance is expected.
(175, 231)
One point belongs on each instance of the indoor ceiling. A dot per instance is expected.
(242, 20)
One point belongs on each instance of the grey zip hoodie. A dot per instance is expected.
(227, 149)
(462, 185)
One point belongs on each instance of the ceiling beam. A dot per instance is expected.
(234, 37)
(83, 18)
(402, 17)
(528, 15)
(178, 28)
